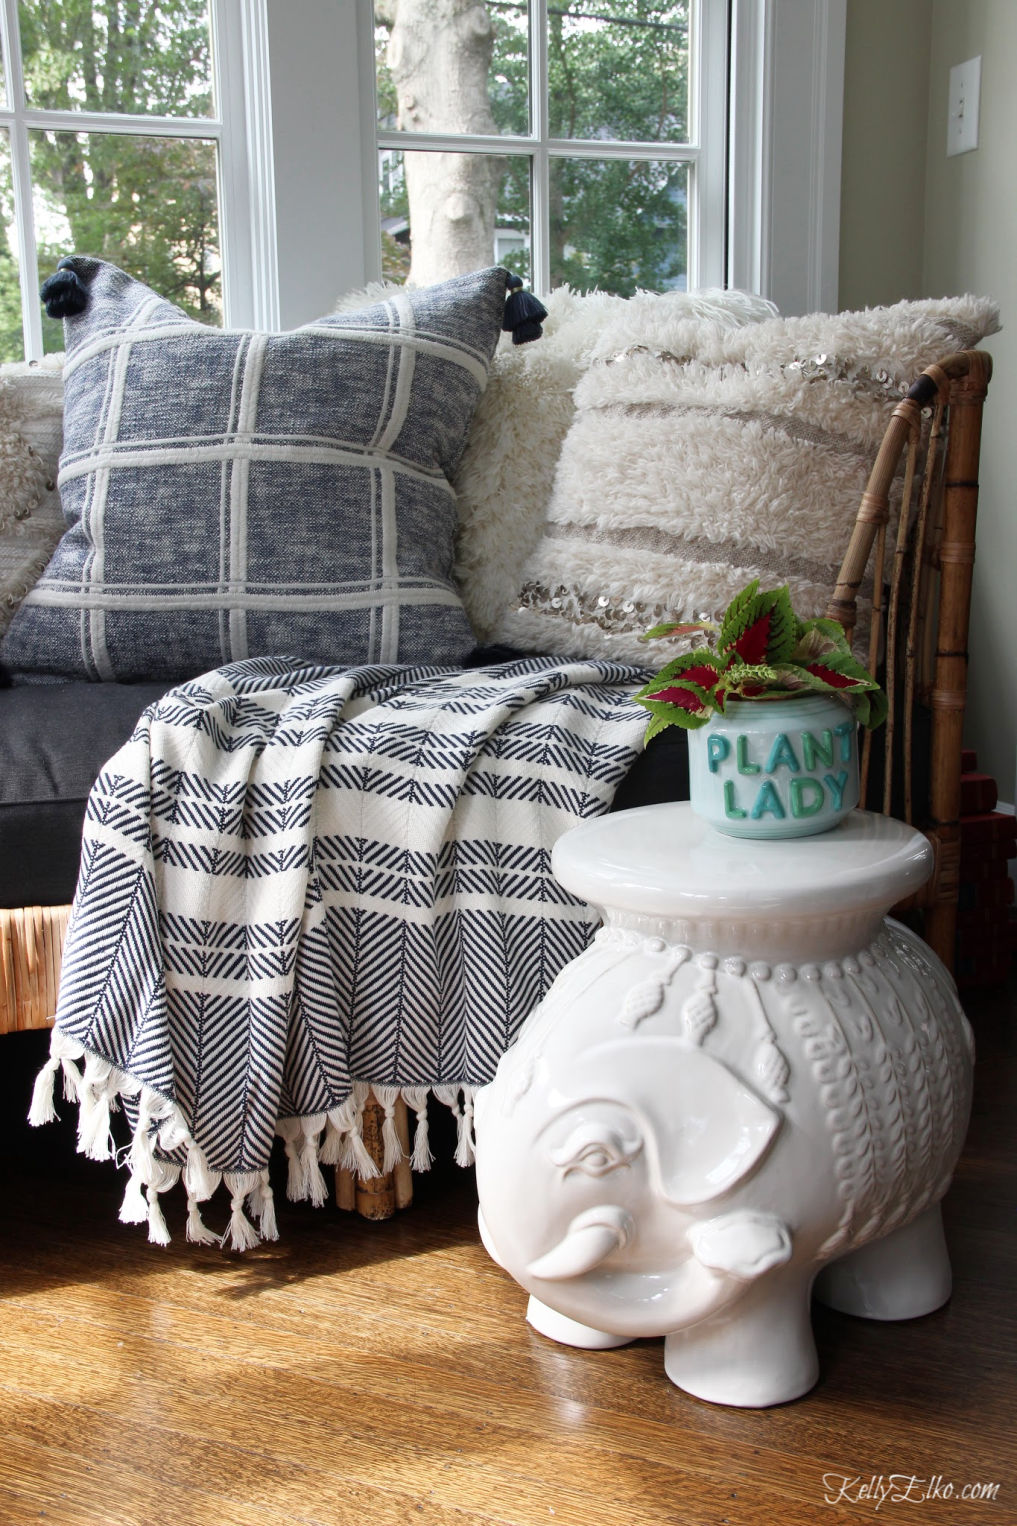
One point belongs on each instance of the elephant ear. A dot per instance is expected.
(709, 1129)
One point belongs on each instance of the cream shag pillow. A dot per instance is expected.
(701, 457)
(505, 479)
(31, 522)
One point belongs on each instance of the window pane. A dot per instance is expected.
(147, 204)
(12, 344)
(619, 71)
(619, 224)
(133, 56)
(445, 214)
(453, 66)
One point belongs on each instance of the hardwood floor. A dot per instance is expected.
(382, 1373)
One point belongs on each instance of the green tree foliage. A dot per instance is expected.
(147, 203)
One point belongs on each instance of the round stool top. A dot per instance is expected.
(663, 860)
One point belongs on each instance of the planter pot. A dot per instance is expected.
(775, 768)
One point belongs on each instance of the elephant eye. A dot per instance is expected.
(595, 1151)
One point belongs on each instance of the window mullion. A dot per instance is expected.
(449, 142)
(8, 51)
(540, 188)
(121, 122)
(245, 167)
(706, 201)
(21, 176)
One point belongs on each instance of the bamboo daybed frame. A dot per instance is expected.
(916, 640)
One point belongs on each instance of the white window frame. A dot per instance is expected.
(703, 152)
(224, 130)
(299, 167)
(786, 97)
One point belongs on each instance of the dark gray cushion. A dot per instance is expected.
(232, 494)
(54, 738)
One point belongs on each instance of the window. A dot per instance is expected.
(601, 131)
(575, 140)
(111, 143)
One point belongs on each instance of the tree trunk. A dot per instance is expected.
(439, 54)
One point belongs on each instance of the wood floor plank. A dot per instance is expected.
(383, 1373)
(204, 1485)
(487, 1461)
(525, 1366)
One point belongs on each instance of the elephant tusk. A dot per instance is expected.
(744, 1243)
(589, 1239)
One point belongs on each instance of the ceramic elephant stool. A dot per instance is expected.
(688, 1145)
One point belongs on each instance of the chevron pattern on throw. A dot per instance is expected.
(299, 881)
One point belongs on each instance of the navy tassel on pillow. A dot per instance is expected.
(524, 313)
(65, 293)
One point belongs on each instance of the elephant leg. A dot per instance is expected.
(758, 1352)
(902, 1276)
(569, 1332)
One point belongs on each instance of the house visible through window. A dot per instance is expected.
(564, 138)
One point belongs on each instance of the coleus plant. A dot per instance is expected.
(760, 650)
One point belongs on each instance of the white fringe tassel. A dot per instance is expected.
(321, 1139)
(261, 1202)
(393, 1151)
(198, 1232)
(157, 1230)
(62, 1053)
(240, 1233)
(134, 1208)
(199, 1178)
(416, 1098)
(348, 1120)
(304, 1181)
(465, 1144)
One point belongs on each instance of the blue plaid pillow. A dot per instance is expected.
(235, 494)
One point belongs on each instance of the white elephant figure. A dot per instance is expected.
(678, 1143)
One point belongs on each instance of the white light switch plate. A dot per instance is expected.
(962, 116)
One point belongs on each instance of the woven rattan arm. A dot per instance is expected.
(957, 386)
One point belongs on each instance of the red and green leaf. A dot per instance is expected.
(701, 666)
(684, 692)
(761, 651)
(688, 707)
(760, 627)
(840, 670)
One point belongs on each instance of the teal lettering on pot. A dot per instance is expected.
(782, 755)
(745, 764)
(775, 768)
(732, 810)
(800, 791)
(814, 752)
(768, 802)
(836, 784)
(718, 748)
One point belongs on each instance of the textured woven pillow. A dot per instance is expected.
(699, 459)
(30, 519)
(505, 478)
(234, 494)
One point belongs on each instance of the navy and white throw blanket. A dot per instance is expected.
(301, 883)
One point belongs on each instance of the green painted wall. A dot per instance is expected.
(915, 223)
